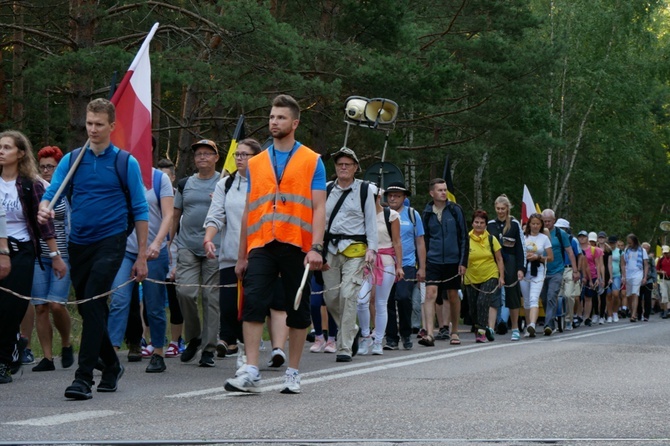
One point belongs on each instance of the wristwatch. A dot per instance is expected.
(318, 248)
(53, 254)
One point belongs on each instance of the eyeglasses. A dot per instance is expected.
(344, 165)
(242, 155)
(47, 167)
(204, 154)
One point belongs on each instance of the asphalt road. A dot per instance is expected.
(593, 386)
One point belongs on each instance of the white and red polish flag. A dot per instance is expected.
(528, 206)
(133, 110)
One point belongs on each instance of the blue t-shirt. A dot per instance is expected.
(576, 250)
(557, 265)
(318, 179)
(408, 233)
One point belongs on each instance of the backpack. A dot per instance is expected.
(156, 185)
(121, 163)
(364, 192)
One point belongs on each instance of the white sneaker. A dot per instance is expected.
(615, 317)
(291, 383)
(377, 349)
(601, 321)
(594, 319)
(364, 345)
(243, 382)
(609, 319)
(277, 359)
(568, 327)
(330, 347)
(319, 344)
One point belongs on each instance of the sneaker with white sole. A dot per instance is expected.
(615, 317)
(609, 319)
(568, 327)
(594, 319)
(377, 348)
(243, 382)
(516, 335)
(172, 351)
(291, 383)
(364, 345)
(319, 345)
(331, 346)
(278, 358)
(241, 356)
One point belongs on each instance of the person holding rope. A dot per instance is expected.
(100, 207)
(538, 252)
(21, 190)
(484, 277)
(351, 242)
(281, 233)
(593, 280)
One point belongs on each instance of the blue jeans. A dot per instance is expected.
(153, 297)
(549, 296)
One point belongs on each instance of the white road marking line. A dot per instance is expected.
(390, 363)
(64, 418)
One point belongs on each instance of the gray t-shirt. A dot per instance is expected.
(194, 203)
(155, 213)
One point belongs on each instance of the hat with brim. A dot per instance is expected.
(665, 249)
(205, 143)
(562, 223)
(602, 234)
(396, 187)
(584, 233)
(345, 151)
(593, 237)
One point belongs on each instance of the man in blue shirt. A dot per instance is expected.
(554, 277)
(98, 240)
(413, 257)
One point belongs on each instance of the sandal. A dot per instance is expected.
(427, 341)
(455, 339)
(230, 351)
(633, 319)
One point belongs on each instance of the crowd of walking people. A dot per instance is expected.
(228, 255)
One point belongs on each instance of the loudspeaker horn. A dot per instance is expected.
(354, 109)
(381, 112)
(665, 226)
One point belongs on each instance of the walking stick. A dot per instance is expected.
(298, 295)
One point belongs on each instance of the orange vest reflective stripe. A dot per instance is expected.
(281, 212)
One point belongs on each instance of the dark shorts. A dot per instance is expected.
(591, 289)
(512, 293)
(436, 274)
(265, 265)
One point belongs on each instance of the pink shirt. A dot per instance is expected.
(592, 253)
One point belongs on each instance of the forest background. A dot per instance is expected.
(569, 97)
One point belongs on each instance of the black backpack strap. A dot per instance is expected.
(182, 184)
(27, 190)
(412, 217)
(229, 182)
(387, 219)
(493, 252)
(121, 162)
(337, 207)
(365, 188)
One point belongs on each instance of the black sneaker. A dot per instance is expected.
(156, 364)
(343, 358)
(45, 365)
(407, 342)
(15, 366)
(188, 355)
(134, 353)
(110, 378)
(221, 349)
(391, 345)
(311, 336)
(66, 357)
(5, 375)
(79, 390)
(587, 322)
(206, 359)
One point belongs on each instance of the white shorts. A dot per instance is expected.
(633, 286)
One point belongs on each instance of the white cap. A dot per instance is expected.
(562, 223)
(593, 237)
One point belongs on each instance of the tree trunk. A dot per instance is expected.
(18, 63)
(479, 175)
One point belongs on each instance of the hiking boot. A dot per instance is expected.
(156, 364)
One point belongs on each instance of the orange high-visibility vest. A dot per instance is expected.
(281, 212)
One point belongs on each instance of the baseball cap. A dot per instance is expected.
(665, 249)
(602, 234)
(562, 223)
(584, 233)
(612, 239)
(396, 187)
(205, 143)
(593, 237)
(345, 151)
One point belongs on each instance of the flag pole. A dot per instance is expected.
(68, 177)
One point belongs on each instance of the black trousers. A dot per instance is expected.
(12, 308)
(401, 297)
(93, 269)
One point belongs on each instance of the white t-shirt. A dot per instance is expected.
(633, 270)
(537, 244)
(17, 226)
